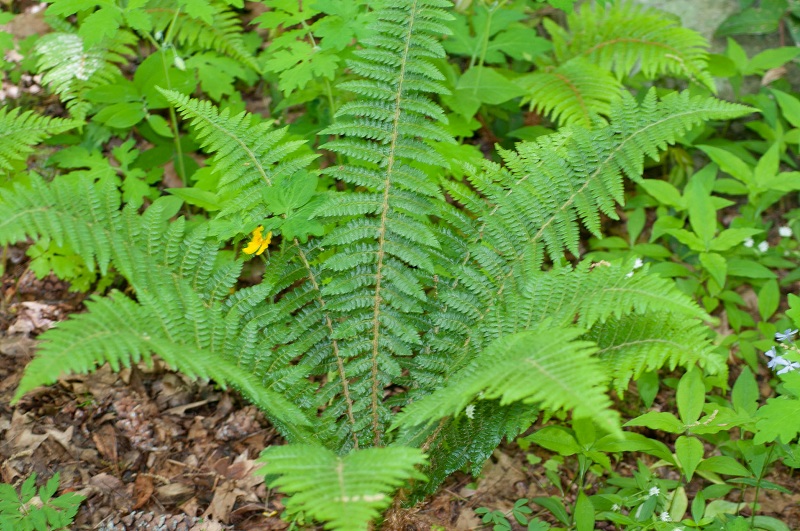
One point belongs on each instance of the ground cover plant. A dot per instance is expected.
(399, 297)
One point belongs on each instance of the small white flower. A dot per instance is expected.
(654, 491)
(785, 232)
(469, 411)
(791, 367)
(638, 263)
(776, 361)
(748, 242)
(616, 507)
(786, 335)
(629, 275)
(763, 246)
(665, 517)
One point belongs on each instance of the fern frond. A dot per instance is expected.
(250, 155)
(62, 210)
(466, 442)
(346, 493)
(381, 239)
(534, 207)
(223, 33)
(71, 69)
(572, 93)
(622, 37)
(546, 355)
(19, 131)
(633, 344)
(120, 332)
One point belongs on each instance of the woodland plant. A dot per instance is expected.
(408, 319)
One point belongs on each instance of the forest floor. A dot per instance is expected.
(148, 439)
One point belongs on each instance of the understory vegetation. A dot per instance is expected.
(410, 230)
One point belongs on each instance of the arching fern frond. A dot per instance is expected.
(19, 131)
(635, 343)
(222, 33)
(346, 493)
(250, 155)
(180, 285)
(572, 93)
(119, 331)
(70, 69)
(621, 37)
(565, 373)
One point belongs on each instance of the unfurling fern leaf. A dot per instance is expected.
(19, 131)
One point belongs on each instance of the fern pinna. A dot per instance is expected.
(407, 312)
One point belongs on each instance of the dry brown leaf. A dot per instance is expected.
(143, 489)
(174, 493)
(105, 439)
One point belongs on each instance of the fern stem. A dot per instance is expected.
(334, 344)
(180, 166)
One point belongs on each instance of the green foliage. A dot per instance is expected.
(603, 45)
(346, 492)
(415, 302)
(20, 131)
(33, 509)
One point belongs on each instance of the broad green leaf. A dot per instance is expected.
(739, 267)
(778, 420)
(771, 58)
(658, 420)
(583, 518)
(744, 395)
(729, 163)
(636, 442)
(723, 464)
(769, 298)
(487, 86)
(156, 71)
(702, 214)
(159, 125)
(689, 451)
(195, 196)
(716, 266)
(687, 238)
(679, 504)
(664, 192)
(730, 238)
(767, 167)
(690, 396)
(556, 439)
(789, 105)
(121, 115)
(794, 309)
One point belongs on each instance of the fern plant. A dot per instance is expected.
(406, 323)
(604, 43)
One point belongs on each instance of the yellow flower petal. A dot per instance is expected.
(256, 245)
(264, 243)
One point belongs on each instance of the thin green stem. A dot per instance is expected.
(180, 166)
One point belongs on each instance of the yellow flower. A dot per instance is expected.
(259, 243)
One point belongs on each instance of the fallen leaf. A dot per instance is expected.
(143, 489)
